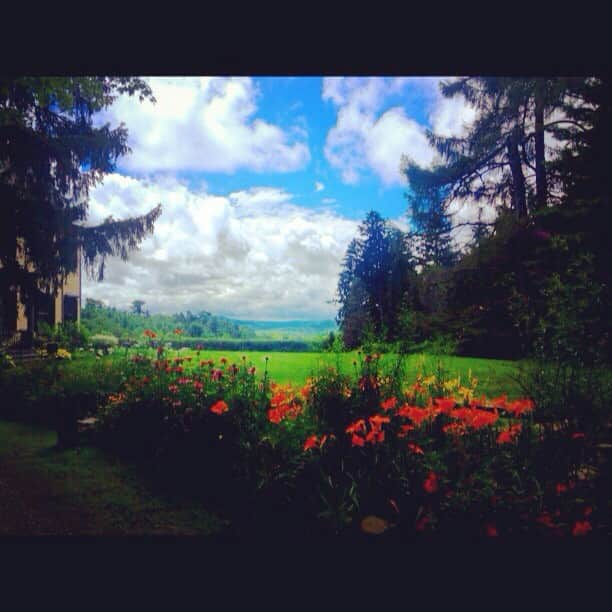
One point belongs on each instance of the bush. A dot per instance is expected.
(104, 342)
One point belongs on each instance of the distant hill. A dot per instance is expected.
(288, 329)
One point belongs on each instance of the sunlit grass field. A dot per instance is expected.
(494, 376)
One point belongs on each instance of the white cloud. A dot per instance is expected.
(451, 116)
(328, 200)
(364, 138)
(368, 137)
(319, 186)
(252, 253)
(205, 124)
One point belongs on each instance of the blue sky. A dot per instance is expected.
(262, 181)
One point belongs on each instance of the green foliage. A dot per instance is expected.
(97, 318)
(51, 156)
(104, 342)
(375, 278)
(67, 335)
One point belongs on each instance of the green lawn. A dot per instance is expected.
(81, 491)
(495, 376)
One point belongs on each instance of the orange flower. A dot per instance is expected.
(219, 407)
(404, 429)
(414, 413)
(431, 483)
(375, 436)
(311, 442)
(445, 404)
(520, 406)
(377, 420)
(357, 440)
(581, 528)
(358, 425)
(415, 448)
(149, 333)
(499, 402)
(389, 404)
(509, 435)
(275, 415)
(178, 331)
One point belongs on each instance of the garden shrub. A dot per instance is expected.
(104, 342)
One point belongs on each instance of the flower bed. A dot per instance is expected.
(361, 450)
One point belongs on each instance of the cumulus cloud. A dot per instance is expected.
(366, 136)
(205, 124)
(452, 116)
(251, 253)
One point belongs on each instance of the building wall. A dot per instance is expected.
(71, 287)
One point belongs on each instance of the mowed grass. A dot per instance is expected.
(82, 491)
(495, 376)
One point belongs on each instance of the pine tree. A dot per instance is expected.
(51, 155)
(430, 237)
(375, 273)
(502, 157)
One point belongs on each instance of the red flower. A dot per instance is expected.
(173, 388)
(431, 483)
(415, 448)
(377, 420)
(389, 404)
(509, 435)
(445, 404)
(499, 402)
(546, 520)
(219, 407)
(581, 528)
(357, 440)
(216, 374)
(275, 415)
(311, 442)
(358, 425)
(561, 488)
(197, 385)
(414, 413)
(404, 429)
(375, 436)
(491, 530)
(520, 406)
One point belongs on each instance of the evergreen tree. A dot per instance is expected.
(137, 307)
(502, 157)
(376, 271)
(50, 156)
(430, 238)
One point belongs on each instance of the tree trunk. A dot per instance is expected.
(540, 171)
(519, 200)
